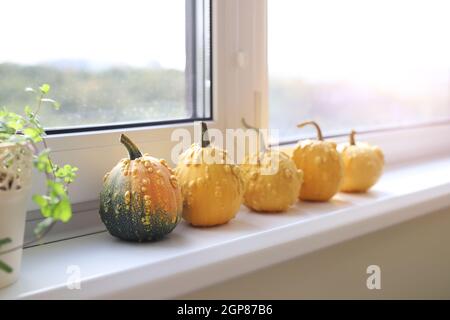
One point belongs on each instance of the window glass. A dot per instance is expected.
(358, 64)
(108, 62)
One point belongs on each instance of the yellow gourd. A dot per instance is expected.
(272, 181)
(363, 165)
(212, 189)
(270, 192)
(321, 165)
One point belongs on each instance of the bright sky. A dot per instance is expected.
(363, 40)
(132, 32)
(360, 40)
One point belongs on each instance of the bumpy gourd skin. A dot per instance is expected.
(140, 199)
(363, 166)
(322, 169)
(212, 189)
(274, 192)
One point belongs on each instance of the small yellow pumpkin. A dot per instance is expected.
(363, 165)
(274, 192)
(321, 165)
(212, 188)
(272, 181)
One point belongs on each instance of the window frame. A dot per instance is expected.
(239, 90)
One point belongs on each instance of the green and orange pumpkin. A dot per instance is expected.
(141, 199)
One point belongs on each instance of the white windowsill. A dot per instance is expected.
(192, 258)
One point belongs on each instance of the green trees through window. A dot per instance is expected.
(92, 97)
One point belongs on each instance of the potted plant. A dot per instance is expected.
(22, 146)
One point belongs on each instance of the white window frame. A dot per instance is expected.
(239, 89)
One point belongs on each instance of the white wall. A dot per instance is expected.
(414, 258)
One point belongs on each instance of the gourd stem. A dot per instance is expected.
(205, 137)
(131, 147)
(352, 138)
(319, 132)
(258, 131)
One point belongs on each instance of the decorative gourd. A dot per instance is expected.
(267, 191)
(141, 199)
(321, 164)
(363, 165)
(212, 189)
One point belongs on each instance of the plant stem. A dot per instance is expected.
(49, 177)
(38, 106)
(47, 174)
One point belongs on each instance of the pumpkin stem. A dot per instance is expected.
(131, 147)
(319, 132)
(258, 130)
(352, 138)
(205, 136)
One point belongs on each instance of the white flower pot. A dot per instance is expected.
(12, 225)
(15, 182)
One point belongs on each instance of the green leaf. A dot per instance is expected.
(34, 121)
(4, 241)
(45, 88)
(28, 111)
(4, 137)
(66, 173)
(12, 121)
(33, 133)
(63, 210)
(41, 201)
(44, 204)
(4, 267)
(56, 203)
(42, 162)
(57, 188)
(15, 124)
